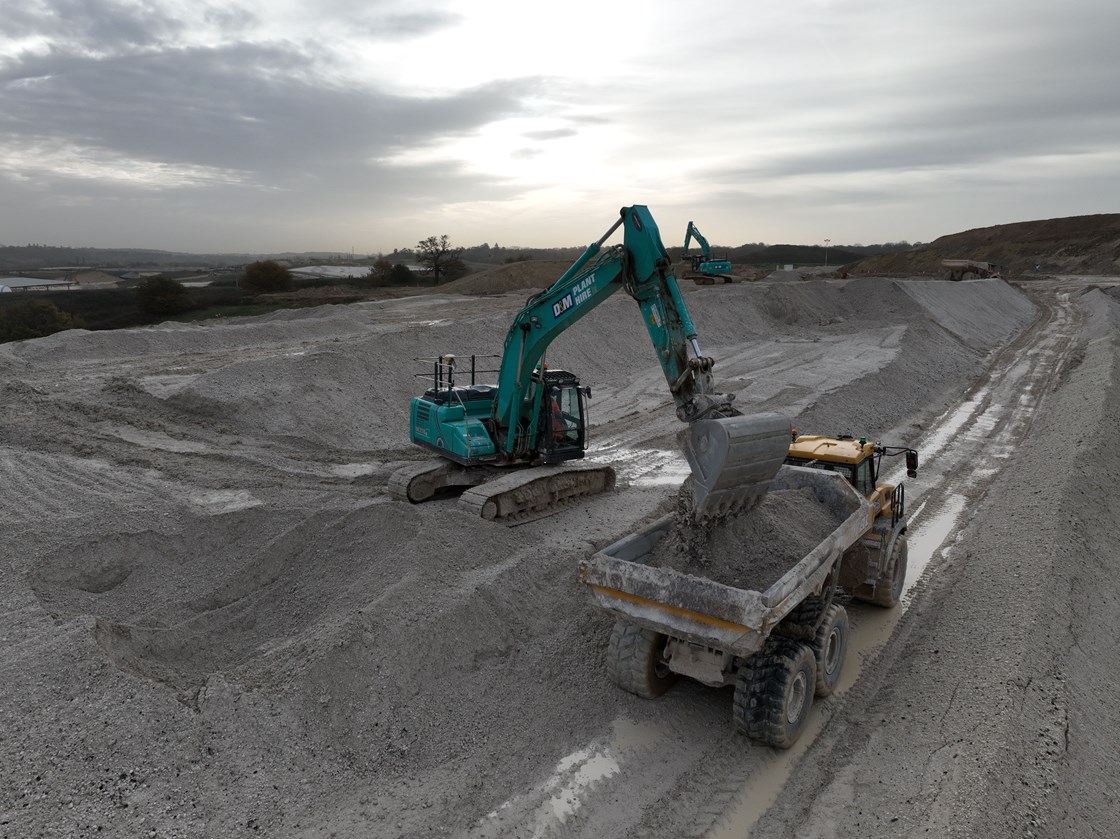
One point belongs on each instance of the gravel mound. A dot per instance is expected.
(750, 550)
(976, 311)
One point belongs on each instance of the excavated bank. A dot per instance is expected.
(1005, 728)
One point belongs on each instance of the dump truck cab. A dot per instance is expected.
(873, 569)
(858, 460)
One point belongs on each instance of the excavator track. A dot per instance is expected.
(422, 480)
(529, 494)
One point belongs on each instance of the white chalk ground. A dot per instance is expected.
(215, 622)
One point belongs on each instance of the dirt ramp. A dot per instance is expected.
(191, 339)
(1103, 314)
(982, 313)
(352, 397)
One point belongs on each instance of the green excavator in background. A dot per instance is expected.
(705, 269)
(515, 443)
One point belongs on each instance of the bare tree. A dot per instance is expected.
(436, 254)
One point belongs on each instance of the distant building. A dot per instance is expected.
(31, 284)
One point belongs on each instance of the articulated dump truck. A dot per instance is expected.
(750, 599)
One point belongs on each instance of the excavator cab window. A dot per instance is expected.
(562, 423)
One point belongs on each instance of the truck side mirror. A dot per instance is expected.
(911, 464)
(587, 392)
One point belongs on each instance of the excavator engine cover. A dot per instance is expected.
(733, 460)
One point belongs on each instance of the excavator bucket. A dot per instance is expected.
(733, 460)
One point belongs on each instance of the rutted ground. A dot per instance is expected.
(216, 622)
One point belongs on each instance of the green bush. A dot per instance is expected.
(163, 296)
(385, 273)
(401, 275)
(266, 276)
(34, 319)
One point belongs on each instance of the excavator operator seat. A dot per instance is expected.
(563, 421)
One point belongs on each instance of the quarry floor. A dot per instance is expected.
(215, 622)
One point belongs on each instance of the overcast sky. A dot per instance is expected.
(277, 125)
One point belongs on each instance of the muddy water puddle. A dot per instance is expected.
(550, 804)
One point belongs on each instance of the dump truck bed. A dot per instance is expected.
(700, 610)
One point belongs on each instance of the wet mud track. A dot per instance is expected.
(678, 759)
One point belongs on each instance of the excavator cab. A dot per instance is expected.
(562, 418)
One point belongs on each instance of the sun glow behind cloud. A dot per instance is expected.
(383, 119)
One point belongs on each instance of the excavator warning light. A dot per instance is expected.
(863, 441)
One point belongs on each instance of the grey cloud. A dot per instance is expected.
(977, 115)
(259, 109)
(101, 25)
(413, 25)
(550, 134)
(380, 19)
(231, 217)
(229, 18)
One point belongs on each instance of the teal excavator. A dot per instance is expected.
(516, 443)
(705, 269)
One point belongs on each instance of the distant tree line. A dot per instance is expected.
(26, 315)
(34, 319)
(245, 291)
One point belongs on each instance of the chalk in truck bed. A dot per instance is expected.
(672, 623)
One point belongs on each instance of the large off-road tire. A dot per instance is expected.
(802, 622)
(774, 694)
(888, 591)
(829, 649)
(636, 662)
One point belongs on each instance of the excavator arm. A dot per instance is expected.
(733, 457)
(640, 266)
(694, 233)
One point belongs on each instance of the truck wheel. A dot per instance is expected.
(636, 662)
(773, 695)
(829, 648)
(888, 591)
(802, 623)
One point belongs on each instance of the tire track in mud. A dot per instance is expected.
(56, 486)
(728, 782)
(966, 445)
